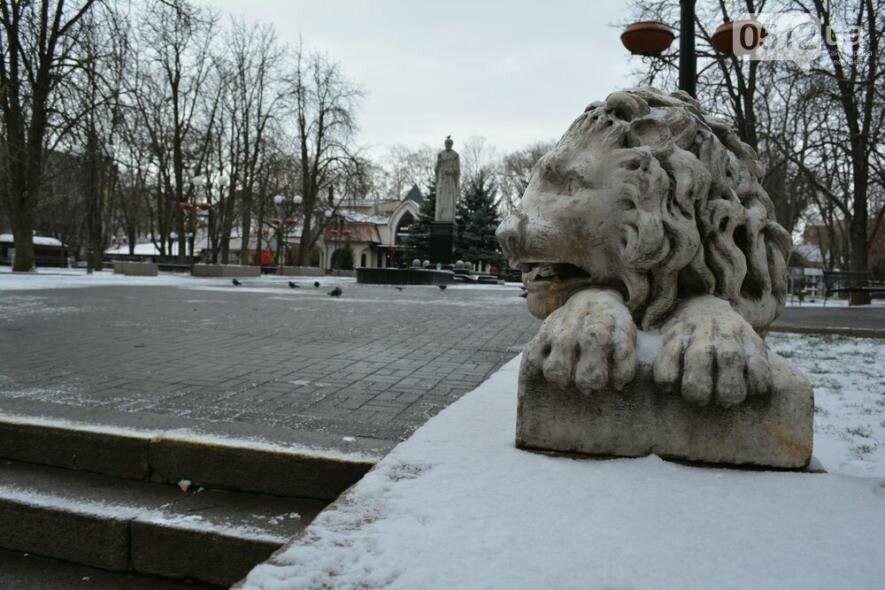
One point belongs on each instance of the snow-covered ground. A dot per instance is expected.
(64, 278)
(274, 287)
(458, 506)
(819, 302)
(848, 375)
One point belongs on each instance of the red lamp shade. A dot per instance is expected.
(650, 37)
(290, 222)
(740, 37)
(203, 206)
(275, 221)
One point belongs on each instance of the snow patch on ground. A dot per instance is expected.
(848, 375)
(193, 436)
(832, 302)
(458, 506)
(13, 307)
(75, 279)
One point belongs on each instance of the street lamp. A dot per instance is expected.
(204, 203)
(328, 215)
(284, 223)
(338, 233)
(652, 38)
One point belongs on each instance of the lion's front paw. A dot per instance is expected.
(713, 355)
(589, 342)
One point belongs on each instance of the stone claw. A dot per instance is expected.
(590, 342)
(710, 353)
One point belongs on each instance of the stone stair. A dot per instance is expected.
(124, 494)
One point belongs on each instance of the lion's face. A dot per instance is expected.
(646, 194)
(582, 220)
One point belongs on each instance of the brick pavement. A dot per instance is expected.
(377, 362)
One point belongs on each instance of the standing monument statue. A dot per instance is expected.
(448, 181)
(651, 251)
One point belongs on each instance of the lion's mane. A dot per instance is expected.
(708, 226)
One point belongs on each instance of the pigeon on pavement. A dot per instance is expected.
(236, 283)
(293, 285)
(336, 292)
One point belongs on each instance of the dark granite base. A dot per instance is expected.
(402, 276)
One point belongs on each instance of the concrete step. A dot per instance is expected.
(167, 449)
(122, 525)
(26, 571)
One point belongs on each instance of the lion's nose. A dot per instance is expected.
(508, 236)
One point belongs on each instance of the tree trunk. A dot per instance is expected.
(131, 236)
(24, 247)
(858, 238)
(246, 228)
(22, 218)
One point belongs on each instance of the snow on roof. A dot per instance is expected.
(355, 232)
(146, 249)
(38, 240)
(357, 217)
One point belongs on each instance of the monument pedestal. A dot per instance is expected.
(442, 242)
(773, 430)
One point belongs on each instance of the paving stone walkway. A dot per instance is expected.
(376, 362)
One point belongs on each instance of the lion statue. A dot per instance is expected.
(648, 216)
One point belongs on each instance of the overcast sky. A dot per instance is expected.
(511, 71)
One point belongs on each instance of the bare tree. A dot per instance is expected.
(176, 51)
(855, 80)
(402, 167)
(324, 103)
(818, 131)
(477, 154)
(252, 99)
(36, 41)
(516, 170)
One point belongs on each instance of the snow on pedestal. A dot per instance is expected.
(459, 506)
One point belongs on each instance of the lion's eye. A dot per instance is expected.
(634, 164)
(571, 181)
(551, 173)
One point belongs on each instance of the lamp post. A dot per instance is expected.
(173, 236)
(284, 223)
(204, 204)
(328, 215)
(688, 59)
(652, 38)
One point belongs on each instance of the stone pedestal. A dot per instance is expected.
(136, 269)
(773, 430)
(225, 270)
(442, 242)
(403, 276)
(303, 271)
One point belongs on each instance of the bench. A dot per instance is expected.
(850, 281)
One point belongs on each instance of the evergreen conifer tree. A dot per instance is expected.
(418, 240)
(478, 218)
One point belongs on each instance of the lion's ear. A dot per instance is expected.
(653, 133)
(626, 106)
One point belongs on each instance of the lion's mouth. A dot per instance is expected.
(535, 274)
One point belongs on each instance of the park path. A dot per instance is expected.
(376, 362)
